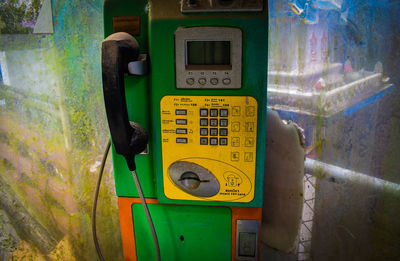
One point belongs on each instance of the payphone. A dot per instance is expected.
(192, 75)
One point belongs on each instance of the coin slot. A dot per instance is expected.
(191, 180)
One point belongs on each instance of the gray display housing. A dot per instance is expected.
(208, 76)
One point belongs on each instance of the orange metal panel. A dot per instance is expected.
(248, 214)
(126, 223)
(127, 228)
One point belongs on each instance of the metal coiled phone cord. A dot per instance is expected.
(139, 189)
(96, 195)
(146, 210)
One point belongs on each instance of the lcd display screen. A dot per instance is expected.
(208, 53)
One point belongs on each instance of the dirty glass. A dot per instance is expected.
(53, 132)
(22, 17)
(333, 70)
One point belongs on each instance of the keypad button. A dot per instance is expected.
(213, 132)
(214, 112)
(223, 141)
(181, 121)
(223, 132)
(214, 81)
(180, 112)
(203, 112)
(203, 122)
(226, 81)
(202, 81)
(181, 140)
(203, 131)
(214, 122)
(203, 141)
(181, 131)
(223, 112)
(213, 141)
(223, 122)
(190, 81)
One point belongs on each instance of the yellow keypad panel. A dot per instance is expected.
(209, 147)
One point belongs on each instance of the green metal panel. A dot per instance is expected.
(113, 8)
(137, 99)
(254, 82)
(184, 232)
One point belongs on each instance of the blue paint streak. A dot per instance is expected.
(367, 101)
(1, 75)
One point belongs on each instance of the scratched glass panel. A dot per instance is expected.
(333, 69)
(53, 132)
(26, 16)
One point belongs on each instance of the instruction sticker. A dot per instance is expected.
(129, 24)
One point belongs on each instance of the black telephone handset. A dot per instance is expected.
(129, 138)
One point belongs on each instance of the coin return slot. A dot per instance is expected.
(191, 180)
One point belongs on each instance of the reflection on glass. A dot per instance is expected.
(337, 78)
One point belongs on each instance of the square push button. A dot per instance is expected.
(213, 141)
(223, 132)
(213, 132)
(181, 122)
(203, 141)
(203, 131)
(223, 141)
(181, 140)
(223, 112)
(203, 112)
(214, 112)
(223, 122)
(180, 112)
(214, 122)
(203, 122)
(181, 131)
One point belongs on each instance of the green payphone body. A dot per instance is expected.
(200, 93)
